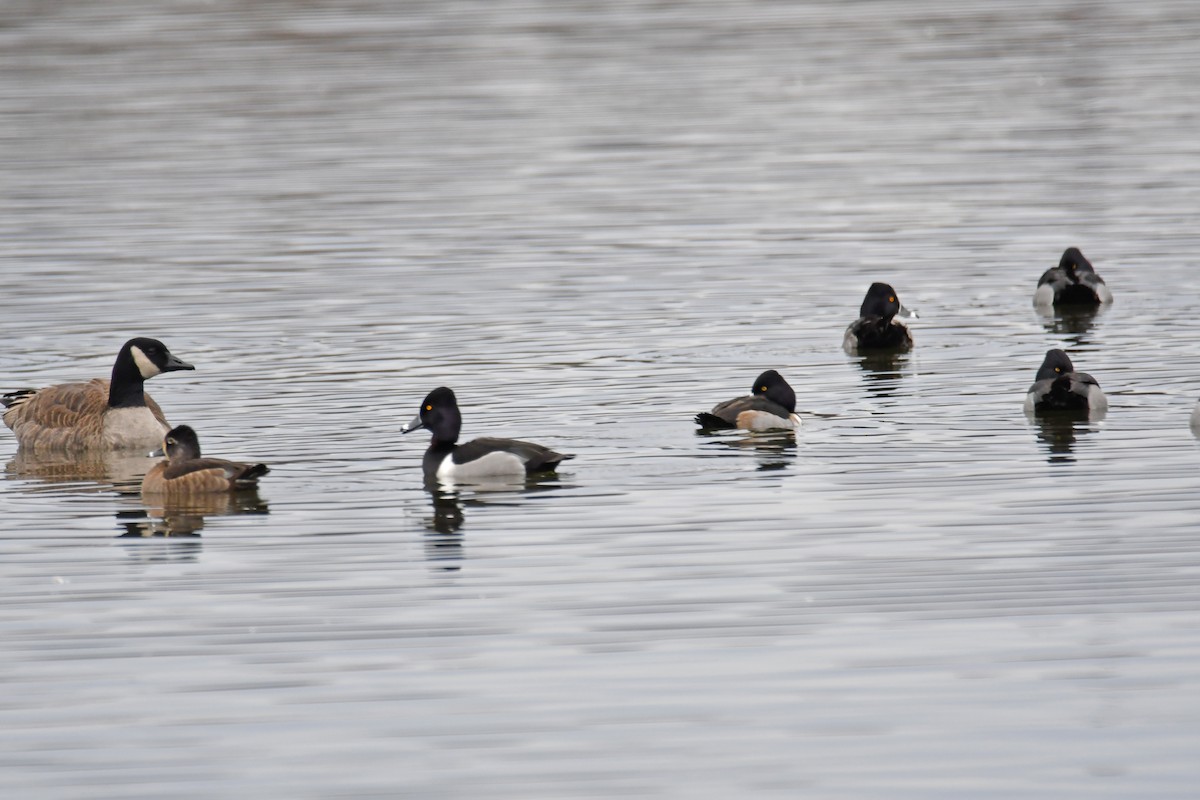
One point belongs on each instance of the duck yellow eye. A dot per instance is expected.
(762, 388)
(429, 408)
(892, 298)
(1058, 369)
(170, 441)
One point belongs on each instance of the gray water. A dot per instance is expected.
(593, 221)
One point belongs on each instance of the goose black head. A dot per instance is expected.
(151, 357)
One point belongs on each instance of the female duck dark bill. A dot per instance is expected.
(1072, 283)
(876, 327)
(1058, 387)
(100, 414)
(487, 457)
(771, 405)
(185, 472)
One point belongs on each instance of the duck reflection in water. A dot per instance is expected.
(775, 450)
(443, 542)
(883, 371)
(1059, 432)
(452, 500)
(185, 516)
(150, 543)
(1075, 322)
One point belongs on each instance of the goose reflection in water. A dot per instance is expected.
(107, 470)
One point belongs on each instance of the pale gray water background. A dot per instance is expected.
(593, 221)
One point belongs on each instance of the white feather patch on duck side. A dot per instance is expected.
(850, 342)
(1044, 296)
(127, 428)
(496, 463)
(764, 421)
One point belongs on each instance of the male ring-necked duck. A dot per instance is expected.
(479, 458)
(1072, 283)
(185, 472)
(770, 406)
(100, 414)
(876, 327)
(1058, 387)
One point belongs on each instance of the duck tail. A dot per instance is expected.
(250, 475)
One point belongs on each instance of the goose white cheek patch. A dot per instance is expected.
(145, 366)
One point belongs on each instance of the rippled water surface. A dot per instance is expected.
(593, 221)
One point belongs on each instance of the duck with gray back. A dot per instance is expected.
(771, 405)
(185, 472)
(1073, 282)
(876, 328)
(1058, 387)
(99, 414)
(478, 459)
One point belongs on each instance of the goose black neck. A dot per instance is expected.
(127, 389)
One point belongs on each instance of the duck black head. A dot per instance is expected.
(881, 301)
(1073, 262)
(181, 444)
(440, 415)
(1056, 363)
(772, 386)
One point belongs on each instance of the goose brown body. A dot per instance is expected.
(76, 416)
(99, 414)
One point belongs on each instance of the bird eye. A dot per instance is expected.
(171, 441)
(1058, 369)
(762, 388)
(429, 408)
(891, 298)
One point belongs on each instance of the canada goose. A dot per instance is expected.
(100, 414)
(479, 458)
(183, 471)
(771, 405)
